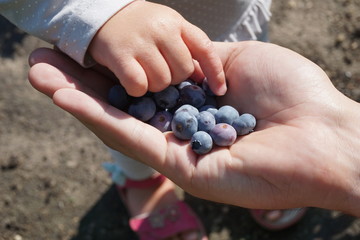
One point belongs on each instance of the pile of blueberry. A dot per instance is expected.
(190, 111)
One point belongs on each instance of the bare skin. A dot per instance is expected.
(150, 46)
(143, 201)
(138, 200)
(304, 151)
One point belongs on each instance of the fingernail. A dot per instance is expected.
(222, 90)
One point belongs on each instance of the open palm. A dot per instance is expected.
(285, 163)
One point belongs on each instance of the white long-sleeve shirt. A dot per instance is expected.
(72, 24)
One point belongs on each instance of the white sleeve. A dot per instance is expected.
(68, 24)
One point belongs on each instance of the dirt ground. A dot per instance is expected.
(51, 183)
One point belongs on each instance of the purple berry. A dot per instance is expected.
(162, 121)
(244, 124)
(223, 134)
(167, 98)
(193, 95)
(118, 97)
(201, 142)
(184, 125)
(206, 121)
(226, 114)
(142, 108)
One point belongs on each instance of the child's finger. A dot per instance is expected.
(203, 51)
(130, 74)
(179, 59)
(198, 74)
(156, 68)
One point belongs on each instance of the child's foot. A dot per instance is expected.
(144, 201)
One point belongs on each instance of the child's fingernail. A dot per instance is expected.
(222, 90)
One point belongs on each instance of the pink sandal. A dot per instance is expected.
(168, 221)
(277, 219)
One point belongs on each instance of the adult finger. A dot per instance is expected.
(47, 79)
(51, 70)
(115, 128)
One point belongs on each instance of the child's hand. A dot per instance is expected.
(150, 46)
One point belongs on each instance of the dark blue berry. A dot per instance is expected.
(118, 97)
(167, 98)
(142, 108)
(205, 86)
(210, 100)
(193, 95)
(185, 83)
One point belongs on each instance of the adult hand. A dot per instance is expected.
(304, 151)
(150, 46)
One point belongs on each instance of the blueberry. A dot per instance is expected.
(188, 108)
(206, 88)
(223, 134)
(167, 98)
(185, 83)
(244, 124)
(210, 100)
(193, 95)
(142, 108)
(184, 125)
(226, 114)
(201, 142)
(210, 108)
(162, 121)
(118, 97)
(206, 121)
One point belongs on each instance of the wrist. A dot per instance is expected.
(348, 149)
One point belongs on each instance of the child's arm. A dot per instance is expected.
(70, 25)
(148, 46)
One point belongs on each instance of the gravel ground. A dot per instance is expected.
(46, 192)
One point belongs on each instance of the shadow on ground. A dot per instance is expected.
(108, 220)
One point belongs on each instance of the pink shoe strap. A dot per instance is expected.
(166, 222)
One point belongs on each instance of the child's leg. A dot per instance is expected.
(145, 191)
(130, 168)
